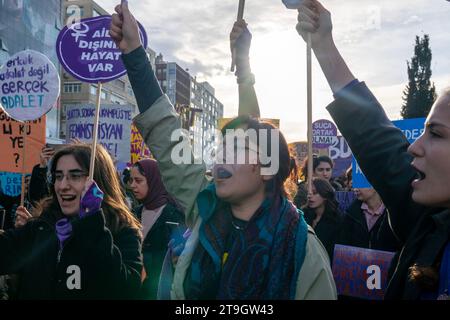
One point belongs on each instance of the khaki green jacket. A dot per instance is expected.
(159, 126)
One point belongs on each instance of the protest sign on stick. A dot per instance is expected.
(15, 135)
(309, 111)
(86, 50)
(22, 194)
(94, 142)
(30, 87)
(294, 4)
(240, 16)
(113, 127)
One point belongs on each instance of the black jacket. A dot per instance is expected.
(38, 188)
(109, 267)
(354, 231)
(9, 204)
(155, 245)
(381, 151)
(327, 229)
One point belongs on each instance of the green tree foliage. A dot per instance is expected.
(420, 93)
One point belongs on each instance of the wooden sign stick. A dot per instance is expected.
(240, 16)
(24, 136)
(309, 109)
(94, 142)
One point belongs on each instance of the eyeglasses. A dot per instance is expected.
(74, 176)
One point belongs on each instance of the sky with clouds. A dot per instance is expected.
(376, 37)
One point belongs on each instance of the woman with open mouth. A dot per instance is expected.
(84, 242)
(248, 240)
(412, 180)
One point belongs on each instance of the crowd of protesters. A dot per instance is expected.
(170, 231)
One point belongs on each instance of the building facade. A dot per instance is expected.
(197, 99)
(174, 81)
(205, 124)
(28, 24)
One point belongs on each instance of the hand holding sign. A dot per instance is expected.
(315, 20)
(124, 29)
(22, 217)
(240, 16)
(240, 41)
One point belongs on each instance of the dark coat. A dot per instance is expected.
(381, 151)
(327, 229)
(354, 231)
(155, 245)
(109, 267)
(38, 188)
(9, 204)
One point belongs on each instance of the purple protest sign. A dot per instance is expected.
(345, 199)
(29, 85)
(360, 272)
(324, 134)
(86, 50)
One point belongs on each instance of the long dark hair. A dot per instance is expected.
(114, 208)
(277, 185)
(324, 188)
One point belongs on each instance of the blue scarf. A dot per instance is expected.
(262, 261)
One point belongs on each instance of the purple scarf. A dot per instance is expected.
(63, 230)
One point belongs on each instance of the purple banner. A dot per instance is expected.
(88, 53)
(360, 272)
(345, 199)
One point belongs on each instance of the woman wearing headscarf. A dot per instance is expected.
(161, 218)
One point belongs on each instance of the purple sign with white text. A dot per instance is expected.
(86, 50)
(324, 133)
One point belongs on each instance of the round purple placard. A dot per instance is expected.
(324, 133)
(88, 53)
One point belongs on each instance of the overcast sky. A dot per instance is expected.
(376, 37)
